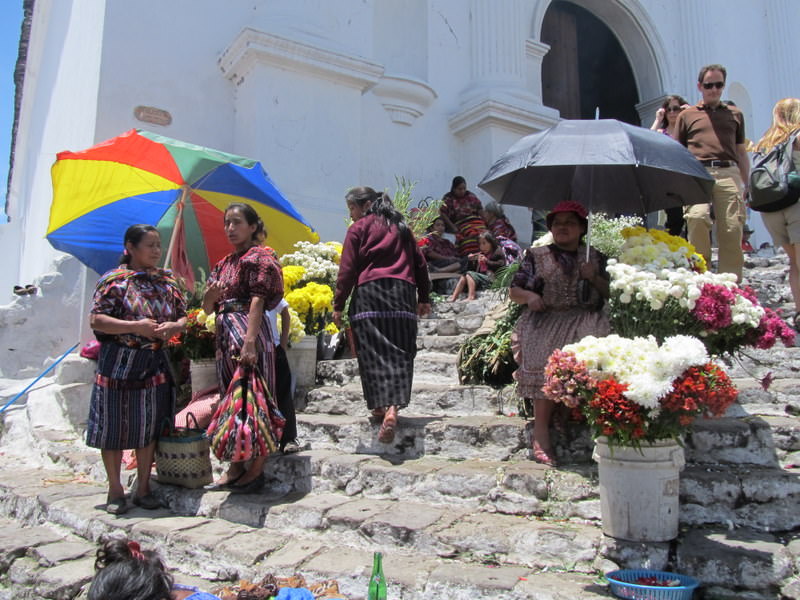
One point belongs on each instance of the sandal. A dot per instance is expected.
(223, 486)
(542, 456)
(377, 415)
(387, 430)
(251, 487)
(116, 506)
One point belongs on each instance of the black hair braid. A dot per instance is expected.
(383, 207)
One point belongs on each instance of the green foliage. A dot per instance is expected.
(503, 279)
(487, 359)
(418, 215)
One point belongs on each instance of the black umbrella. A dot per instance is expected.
(604, 164)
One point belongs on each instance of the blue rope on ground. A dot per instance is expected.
(32, 383)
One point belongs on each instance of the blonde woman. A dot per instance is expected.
(784, 225)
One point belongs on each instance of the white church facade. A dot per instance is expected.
(329, 94)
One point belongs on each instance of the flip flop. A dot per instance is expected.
(116, 506)
(542, 456)
(225, 486)
(251, 487)
(387, 430)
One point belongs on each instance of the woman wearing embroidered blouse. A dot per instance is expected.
(497, 222)
(461, 211)
(547, 284)
(136, 308)
(241, 288)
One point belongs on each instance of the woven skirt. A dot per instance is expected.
(132, 398)
(383, 318)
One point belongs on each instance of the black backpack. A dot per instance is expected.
(774, 180)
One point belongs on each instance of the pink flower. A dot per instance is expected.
(770, 329)
(713, 307)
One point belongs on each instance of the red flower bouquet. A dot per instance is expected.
(635, 401)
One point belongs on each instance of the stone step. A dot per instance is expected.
(748, 439)
(488, 437)
(430, 399)
(439, 367)
(449, 344)
(461, 323)
(779, 361)
(431, 550)
(727, 440)
(462, 307)
(762, 498)
(759, 498)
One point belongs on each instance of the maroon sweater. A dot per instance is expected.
(372, 250)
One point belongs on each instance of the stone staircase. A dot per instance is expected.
(454, 502)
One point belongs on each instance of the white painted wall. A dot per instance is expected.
(311, 107)
(58, 112)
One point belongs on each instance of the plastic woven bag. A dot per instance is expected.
(247, 422)
(182, 457)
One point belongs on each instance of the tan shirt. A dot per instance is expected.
(711, 134)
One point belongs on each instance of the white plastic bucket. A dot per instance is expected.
(302, 358)
(639, 490)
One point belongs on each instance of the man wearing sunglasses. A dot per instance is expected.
(713, 131)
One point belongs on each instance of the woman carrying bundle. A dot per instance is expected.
(241, 288)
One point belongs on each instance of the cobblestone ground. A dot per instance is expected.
(454, 503)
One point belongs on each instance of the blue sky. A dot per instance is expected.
(10, 22)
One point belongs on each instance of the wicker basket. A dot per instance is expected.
(623, 585)
(183, 457)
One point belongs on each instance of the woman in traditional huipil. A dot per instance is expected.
(547, 284)
(136, 308)
(461, 210)
(497, 222)
(439, 252)
(383, 267)
(241, 288)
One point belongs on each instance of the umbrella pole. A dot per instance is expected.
(178, 218)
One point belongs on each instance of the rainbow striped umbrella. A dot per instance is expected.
(180, 188)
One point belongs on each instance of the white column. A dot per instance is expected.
(780, 27)
(498, 42)
(695, 48)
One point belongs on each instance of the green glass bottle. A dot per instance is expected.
(377, 582)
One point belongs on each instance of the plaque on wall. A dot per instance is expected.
(151, 114)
